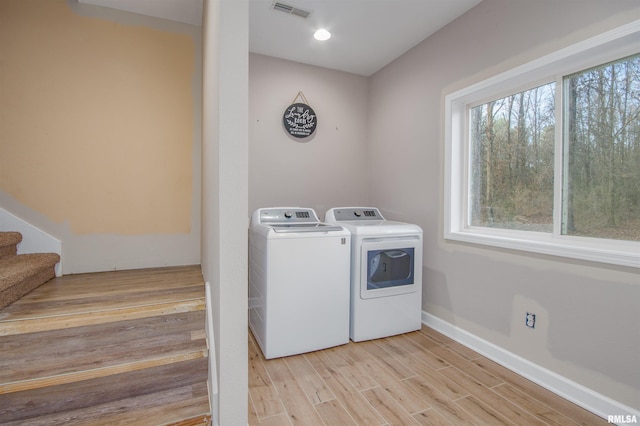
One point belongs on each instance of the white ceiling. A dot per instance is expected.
(366, 34)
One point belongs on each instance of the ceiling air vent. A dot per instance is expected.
(290, 9)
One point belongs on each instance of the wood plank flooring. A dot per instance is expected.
(124, 347)
(419, 378)
(62, 346)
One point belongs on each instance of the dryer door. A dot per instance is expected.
(390, 266)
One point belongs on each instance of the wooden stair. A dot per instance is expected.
(21, 273)
(126, 347)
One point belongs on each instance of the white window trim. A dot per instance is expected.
(609, 46)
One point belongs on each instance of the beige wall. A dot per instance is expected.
(587, 313)
(326, 170)
(99, 132)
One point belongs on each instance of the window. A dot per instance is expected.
(602, 151)
(511, 168)
(546, 157)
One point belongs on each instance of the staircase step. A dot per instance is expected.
(23, 273)
(9, 243)
(123, 347)
(105, 398)
(90, 349)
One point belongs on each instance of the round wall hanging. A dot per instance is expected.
(300, 119)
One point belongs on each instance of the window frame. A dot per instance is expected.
(610, 46)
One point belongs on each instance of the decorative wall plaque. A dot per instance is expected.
(299, 118)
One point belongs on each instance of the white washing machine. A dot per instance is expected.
(386, 273)
(299, 278)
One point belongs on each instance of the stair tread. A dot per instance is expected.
(171, 407)
(138, 293)
(16, 268)
(9, 244)
(10, 238)
(62, 352)
(125, 395)
(162, 408)
(21, 274)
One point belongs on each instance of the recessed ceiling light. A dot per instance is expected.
(322, 35)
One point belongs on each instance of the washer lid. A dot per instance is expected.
(284, 220)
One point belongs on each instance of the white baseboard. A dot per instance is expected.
(578, 394)
(34, 240)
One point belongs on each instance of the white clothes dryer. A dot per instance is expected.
(386, 273)
(298, 281)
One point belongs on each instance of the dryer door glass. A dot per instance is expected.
(389, 268)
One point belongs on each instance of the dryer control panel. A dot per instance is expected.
(356, 213)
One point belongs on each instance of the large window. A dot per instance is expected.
(546, 157)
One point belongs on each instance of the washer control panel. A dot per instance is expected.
(288, 215)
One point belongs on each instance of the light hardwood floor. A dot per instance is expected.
(416, 378)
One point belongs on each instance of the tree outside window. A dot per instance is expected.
(512, 143)
(602, 152)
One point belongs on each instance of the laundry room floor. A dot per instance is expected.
(415, 378)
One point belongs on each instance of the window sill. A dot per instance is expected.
(622, 253)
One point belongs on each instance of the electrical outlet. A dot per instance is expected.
(530, 320)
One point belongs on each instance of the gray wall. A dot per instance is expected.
(380, 142)
(587, 314)
(326, 170)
